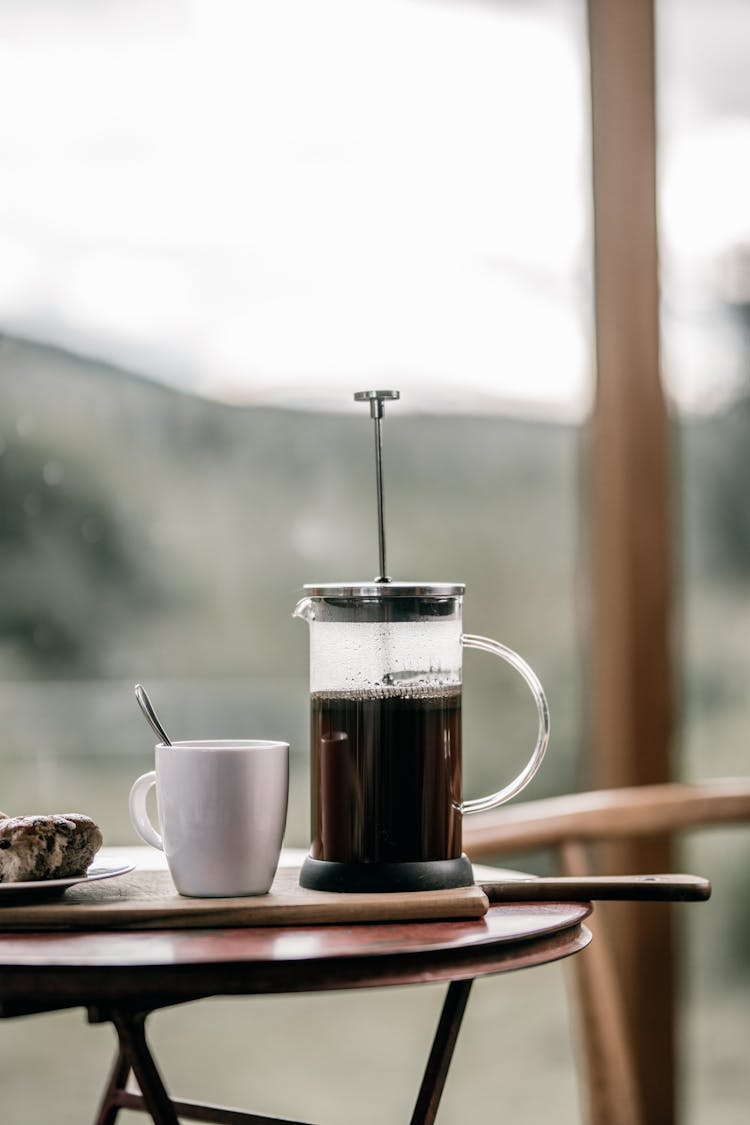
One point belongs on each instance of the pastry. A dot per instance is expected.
(47, 847)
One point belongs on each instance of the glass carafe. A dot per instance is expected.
(385, 684)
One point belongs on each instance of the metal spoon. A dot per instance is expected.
(145, 705)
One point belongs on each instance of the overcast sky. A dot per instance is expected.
(287, 200)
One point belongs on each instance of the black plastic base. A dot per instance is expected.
(423, 875)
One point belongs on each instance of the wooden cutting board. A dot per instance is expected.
(147, 900)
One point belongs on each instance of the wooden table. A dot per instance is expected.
(122, 977)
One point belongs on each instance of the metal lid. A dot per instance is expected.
(385, 589)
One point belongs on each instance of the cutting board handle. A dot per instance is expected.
(635, 888)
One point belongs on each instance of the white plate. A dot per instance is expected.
(47, 888)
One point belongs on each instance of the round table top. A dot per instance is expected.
(170, 966)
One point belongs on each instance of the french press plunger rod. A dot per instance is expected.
(376, 400)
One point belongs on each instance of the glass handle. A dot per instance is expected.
(486, 644)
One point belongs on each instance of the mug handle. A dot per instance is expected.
(486, 644)
(138, 814)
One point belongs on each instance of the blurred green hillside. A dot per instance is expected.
(181, 514)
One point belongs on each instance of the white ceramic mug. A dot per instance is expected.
(222, 811)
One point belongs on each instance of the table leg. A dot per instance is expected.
(134, 1054)
(110, 1107)
(436, 1071)
(131, 1031)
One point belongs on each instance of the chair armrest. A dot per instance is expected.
(607, 814)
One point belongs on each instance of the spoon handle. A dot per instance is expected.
(145, 705)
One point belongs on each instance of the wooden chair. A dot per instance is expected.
(568, 825)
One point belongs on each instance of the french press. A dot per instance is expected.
(385, 690)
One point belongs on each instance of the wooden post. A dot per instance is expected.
(629, 510)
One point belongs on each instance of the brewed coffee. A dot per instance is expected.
(386, 774)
